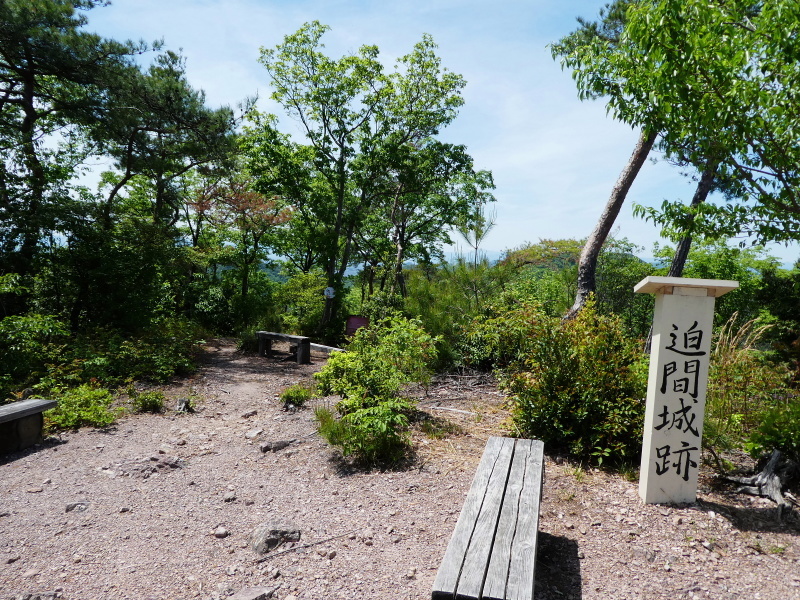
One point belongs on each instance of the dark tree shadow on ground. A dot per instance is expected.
(558, 569)
(758, 519)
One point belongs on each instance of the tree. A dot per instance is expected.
(110, 258)
(717, 82)
(589, 50)
(426, 191)
(250, 220)
(475, 227)
(53, 83)
(587, 264)
(360, 125)
(721, 80)
(160, 128)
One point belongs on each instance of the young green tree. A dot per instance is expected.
(365, 132)
(250, 221)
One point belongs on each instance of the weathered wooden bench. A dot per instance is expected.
(302, 343)
(492, 553)
(21, 424)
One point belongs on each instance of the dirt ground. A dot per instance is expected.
(162, 507)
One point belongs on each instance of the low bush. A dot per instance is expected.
(779, 429)
(577, 385)
(502, 335)
(375, 434)
(150, 402)
(165, 348)
(379, 361)
(370, 376)
(27, 345)
(82, 406)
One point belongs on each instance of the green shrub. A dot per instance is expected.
(447, 297)
(82, 406)
(27, 344)
(742, 385)
(379, 361)
(297, 395)
(369, 377)
(163, 349)
(166, 348)
(579, 386)
(779, 430)
(382, 305)
(501, 336)
(151, 402)
(375, 434)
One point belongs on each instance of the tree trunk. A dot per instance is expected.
(700, 195)
(778, 473)
(587, 265)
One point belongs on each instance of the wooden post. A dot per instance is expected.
(676, 385)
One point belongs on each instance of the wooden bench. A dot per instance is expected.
(325, 349)
(302, 343)
(492, 553)
(21, 424)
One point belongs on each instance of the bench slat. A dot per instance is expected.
(450, 570)
(523, 553)
(473, 572)
(24, 408)
(283, 337)
(498, 571)
(303, 344)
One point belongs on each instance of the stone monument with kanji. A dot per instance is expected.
(676, 385)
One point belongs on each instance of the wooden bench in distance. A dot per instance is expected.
(325, 349)
(492, 553)
(303, 344)
(21, 424)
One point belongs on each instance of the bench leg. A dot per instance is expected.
(264, 346)
(21, 433)
(304, 352)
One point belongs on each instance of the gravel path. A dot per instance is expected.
(162, 507)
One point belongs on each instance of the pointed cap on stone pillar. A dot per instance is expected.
(665, 285)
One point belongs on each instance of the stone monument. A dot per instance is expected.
(676, 385)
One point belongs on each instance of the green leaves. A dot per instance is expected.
(718, 81)
(370, 376)
(370, 183)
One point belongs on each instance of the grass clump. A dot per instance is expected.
(148, 402)
(749, 401)
(297, 395)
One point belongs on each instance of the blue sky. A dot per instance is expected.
(554, 158)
